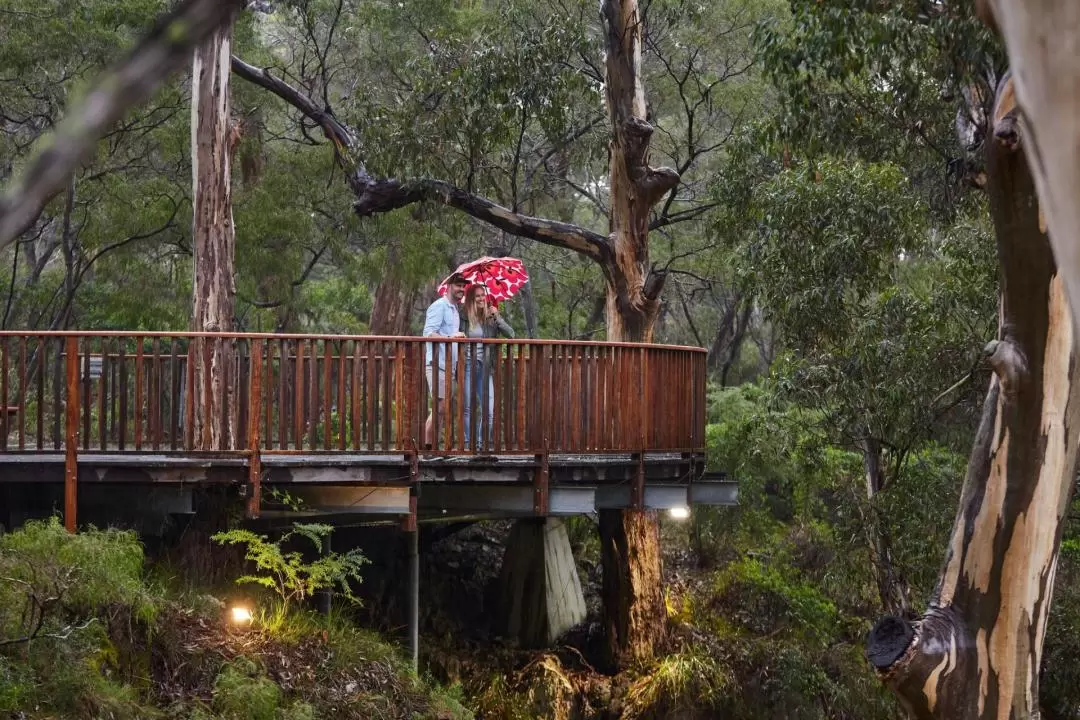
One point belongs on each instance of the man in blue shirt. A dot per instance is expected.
(442, 321)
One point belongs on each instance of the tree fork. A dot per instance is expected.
(975, 652)
(634, 613)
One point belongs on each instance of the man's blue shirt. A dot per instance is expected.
(443, 319)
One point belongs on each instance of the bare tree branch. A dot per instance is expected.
(167, 48)
(379, 195)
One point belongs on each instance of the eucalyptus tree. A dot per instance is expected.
(975, 651)
(473, 95)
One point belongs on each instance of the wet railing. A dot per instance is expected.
(111, 392)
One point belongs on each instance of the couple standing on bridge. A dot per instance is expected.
(475, 286)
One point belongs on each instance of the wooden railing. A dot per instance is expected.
(110, 392)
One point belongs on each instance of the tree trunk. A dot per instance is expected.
(635, 620)
(392, 308)
(634, 614)
(528, 305)
(976, 651)
(214, 240)
(1041, 37)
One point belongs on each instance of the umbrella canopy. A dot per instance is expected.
(502, 277)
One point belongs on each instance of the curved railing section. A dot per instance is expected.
(113, 392)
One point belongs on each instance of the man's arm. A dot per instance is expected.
(433, 320)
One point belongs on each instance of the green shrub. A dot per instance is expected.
(243, 692)
(287, 573)
(763, 599)
(680, 684)
(84, 571)
(58, 594)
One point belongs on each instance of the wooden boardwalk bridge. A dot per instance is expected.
(338, 421)
(107, 426)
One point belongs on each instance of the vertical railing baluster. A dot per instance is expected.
(314, 396)
(459, 383)
(342, 414)
(233, 436)
(191, 357)
(438, 380)
(114, 392)
(242, 407)
(449, 353)
(23, 395)
(103, 397)
(155, 381)
(42, 352)
(520, 436)
(268, 429)
(59, 385)
(5, 418)
(356, 397)
(385, 360)
(298, 397)
(71, 432)
(327, 408)
(397, 353)
(497, 401)
(86, 394)
(283, 395)
(140, 361)
(370, 391)
(176, 402)
(254, 416)
(121, 361)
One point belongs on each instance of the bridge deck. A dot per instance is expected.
(339, 420)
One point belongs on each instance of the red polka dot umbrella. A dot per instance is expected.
(502, 277)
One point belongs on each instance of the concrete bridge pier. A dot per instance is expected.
(540, 591)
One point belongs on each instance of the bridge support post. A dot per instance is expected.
(414, 598)
(540, 592)
(412, 530)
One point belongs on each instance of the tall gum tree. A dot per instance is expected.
(632, 583)
(213, 285)
(976, 650)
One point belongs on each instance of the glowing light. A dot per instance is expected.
(679, 513)
(241, 615)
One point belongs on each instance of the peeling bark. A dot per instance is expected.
(632, 586)
(214, 286)
(633, 288)
(975, 653)
(634, 614)
(1041, 38)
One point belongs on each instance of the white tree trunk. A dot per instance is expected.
(1043, 41)
(214, 240)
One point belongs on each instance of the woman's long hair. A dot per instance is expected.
(472, 308)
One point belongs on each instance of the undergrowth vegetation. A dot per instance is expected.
(770, 602)
(85, 634)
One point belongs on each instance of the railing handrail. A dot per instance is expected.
(337, 338)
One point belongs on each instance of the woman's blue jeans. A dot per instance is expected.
(480, 391)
